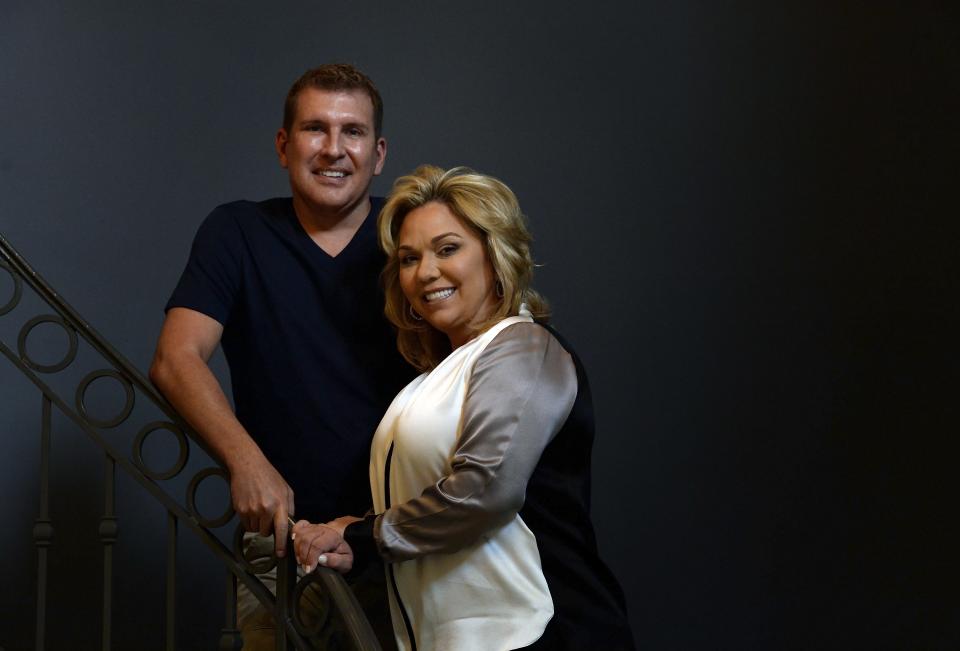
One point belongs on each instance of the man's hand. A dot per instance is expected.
(322, 544)
(262, 499)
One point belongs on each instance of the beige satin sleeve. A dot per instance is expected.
(520, 393)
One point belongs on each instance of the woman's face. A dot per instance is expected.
(445, 273)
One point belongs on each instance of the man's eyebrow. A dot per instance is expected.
(353, 124)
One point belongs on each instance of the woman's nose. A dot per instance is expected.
(427, 269)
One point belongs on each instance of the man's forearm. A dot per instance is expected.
(260, 495)
(188, 383)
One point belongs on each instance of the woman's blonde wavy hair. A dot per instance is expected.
(490, 208)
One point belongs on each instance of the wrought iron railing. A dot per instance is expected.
(127, 450)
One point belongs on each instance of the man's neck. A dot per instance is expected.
(331, 231)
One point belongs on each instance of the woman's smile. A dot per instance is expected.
(438, 295)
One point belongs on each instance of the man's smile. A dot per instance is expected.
(331, 174)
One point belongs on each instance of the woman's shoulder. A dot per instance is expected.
(531, 333)
(525, 358)
(528, 340)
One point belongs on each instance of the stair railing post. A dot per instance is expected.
(286, 568)
(230, 638)
(108, 536)
(170, 611)
(43, 528)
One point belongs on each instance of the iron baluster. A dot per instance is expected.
(43, 528)
(108, 536)
(230, 639)
(170, 612)
(284, 595)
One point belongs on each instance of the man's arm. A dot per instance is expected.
(260, 495)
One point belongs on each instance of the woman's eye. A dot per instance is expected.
(407, 260)
(448, 250)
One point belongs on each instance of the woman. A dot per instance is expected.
(480, 469)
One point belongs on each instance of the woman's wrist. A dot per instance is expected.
(359, 534)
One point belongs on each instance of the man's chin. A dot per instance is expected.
(334, 202)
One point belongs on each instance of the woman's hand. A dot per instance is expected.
(342, 523)
(323, 544)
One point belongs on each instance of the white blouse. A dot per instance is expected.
(465, 566)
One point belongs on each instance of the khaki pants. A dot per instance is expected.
(256, 622)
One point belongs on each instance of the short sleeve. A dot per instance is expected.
(211, 280)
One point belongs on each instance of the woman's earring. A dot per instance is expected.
(499, 288)
(414, 315)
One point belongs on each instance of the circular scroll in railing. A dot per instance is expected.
(183, 450)
(89, 379)
(17, 290)
(255, 554)
(71, 344)
(198, 478)
(311, 606)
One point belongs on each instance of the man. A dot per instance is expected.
(290, 288)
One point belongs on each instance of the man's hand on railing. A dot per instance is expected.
(262, 499)
(323, 544)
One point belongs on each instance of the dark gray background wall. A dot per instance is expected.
(745, 214)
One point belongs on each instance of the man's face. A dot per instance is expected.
(331, 152)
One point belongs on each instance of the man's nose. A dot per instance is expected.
(332, 146)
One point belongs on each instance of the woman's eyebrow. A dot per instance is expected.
(433, 240)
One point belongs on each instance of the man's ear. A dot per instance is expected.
(381, 155)
(281, 145)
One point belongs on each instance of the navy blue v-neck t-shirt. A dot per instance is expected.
(313, 361)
